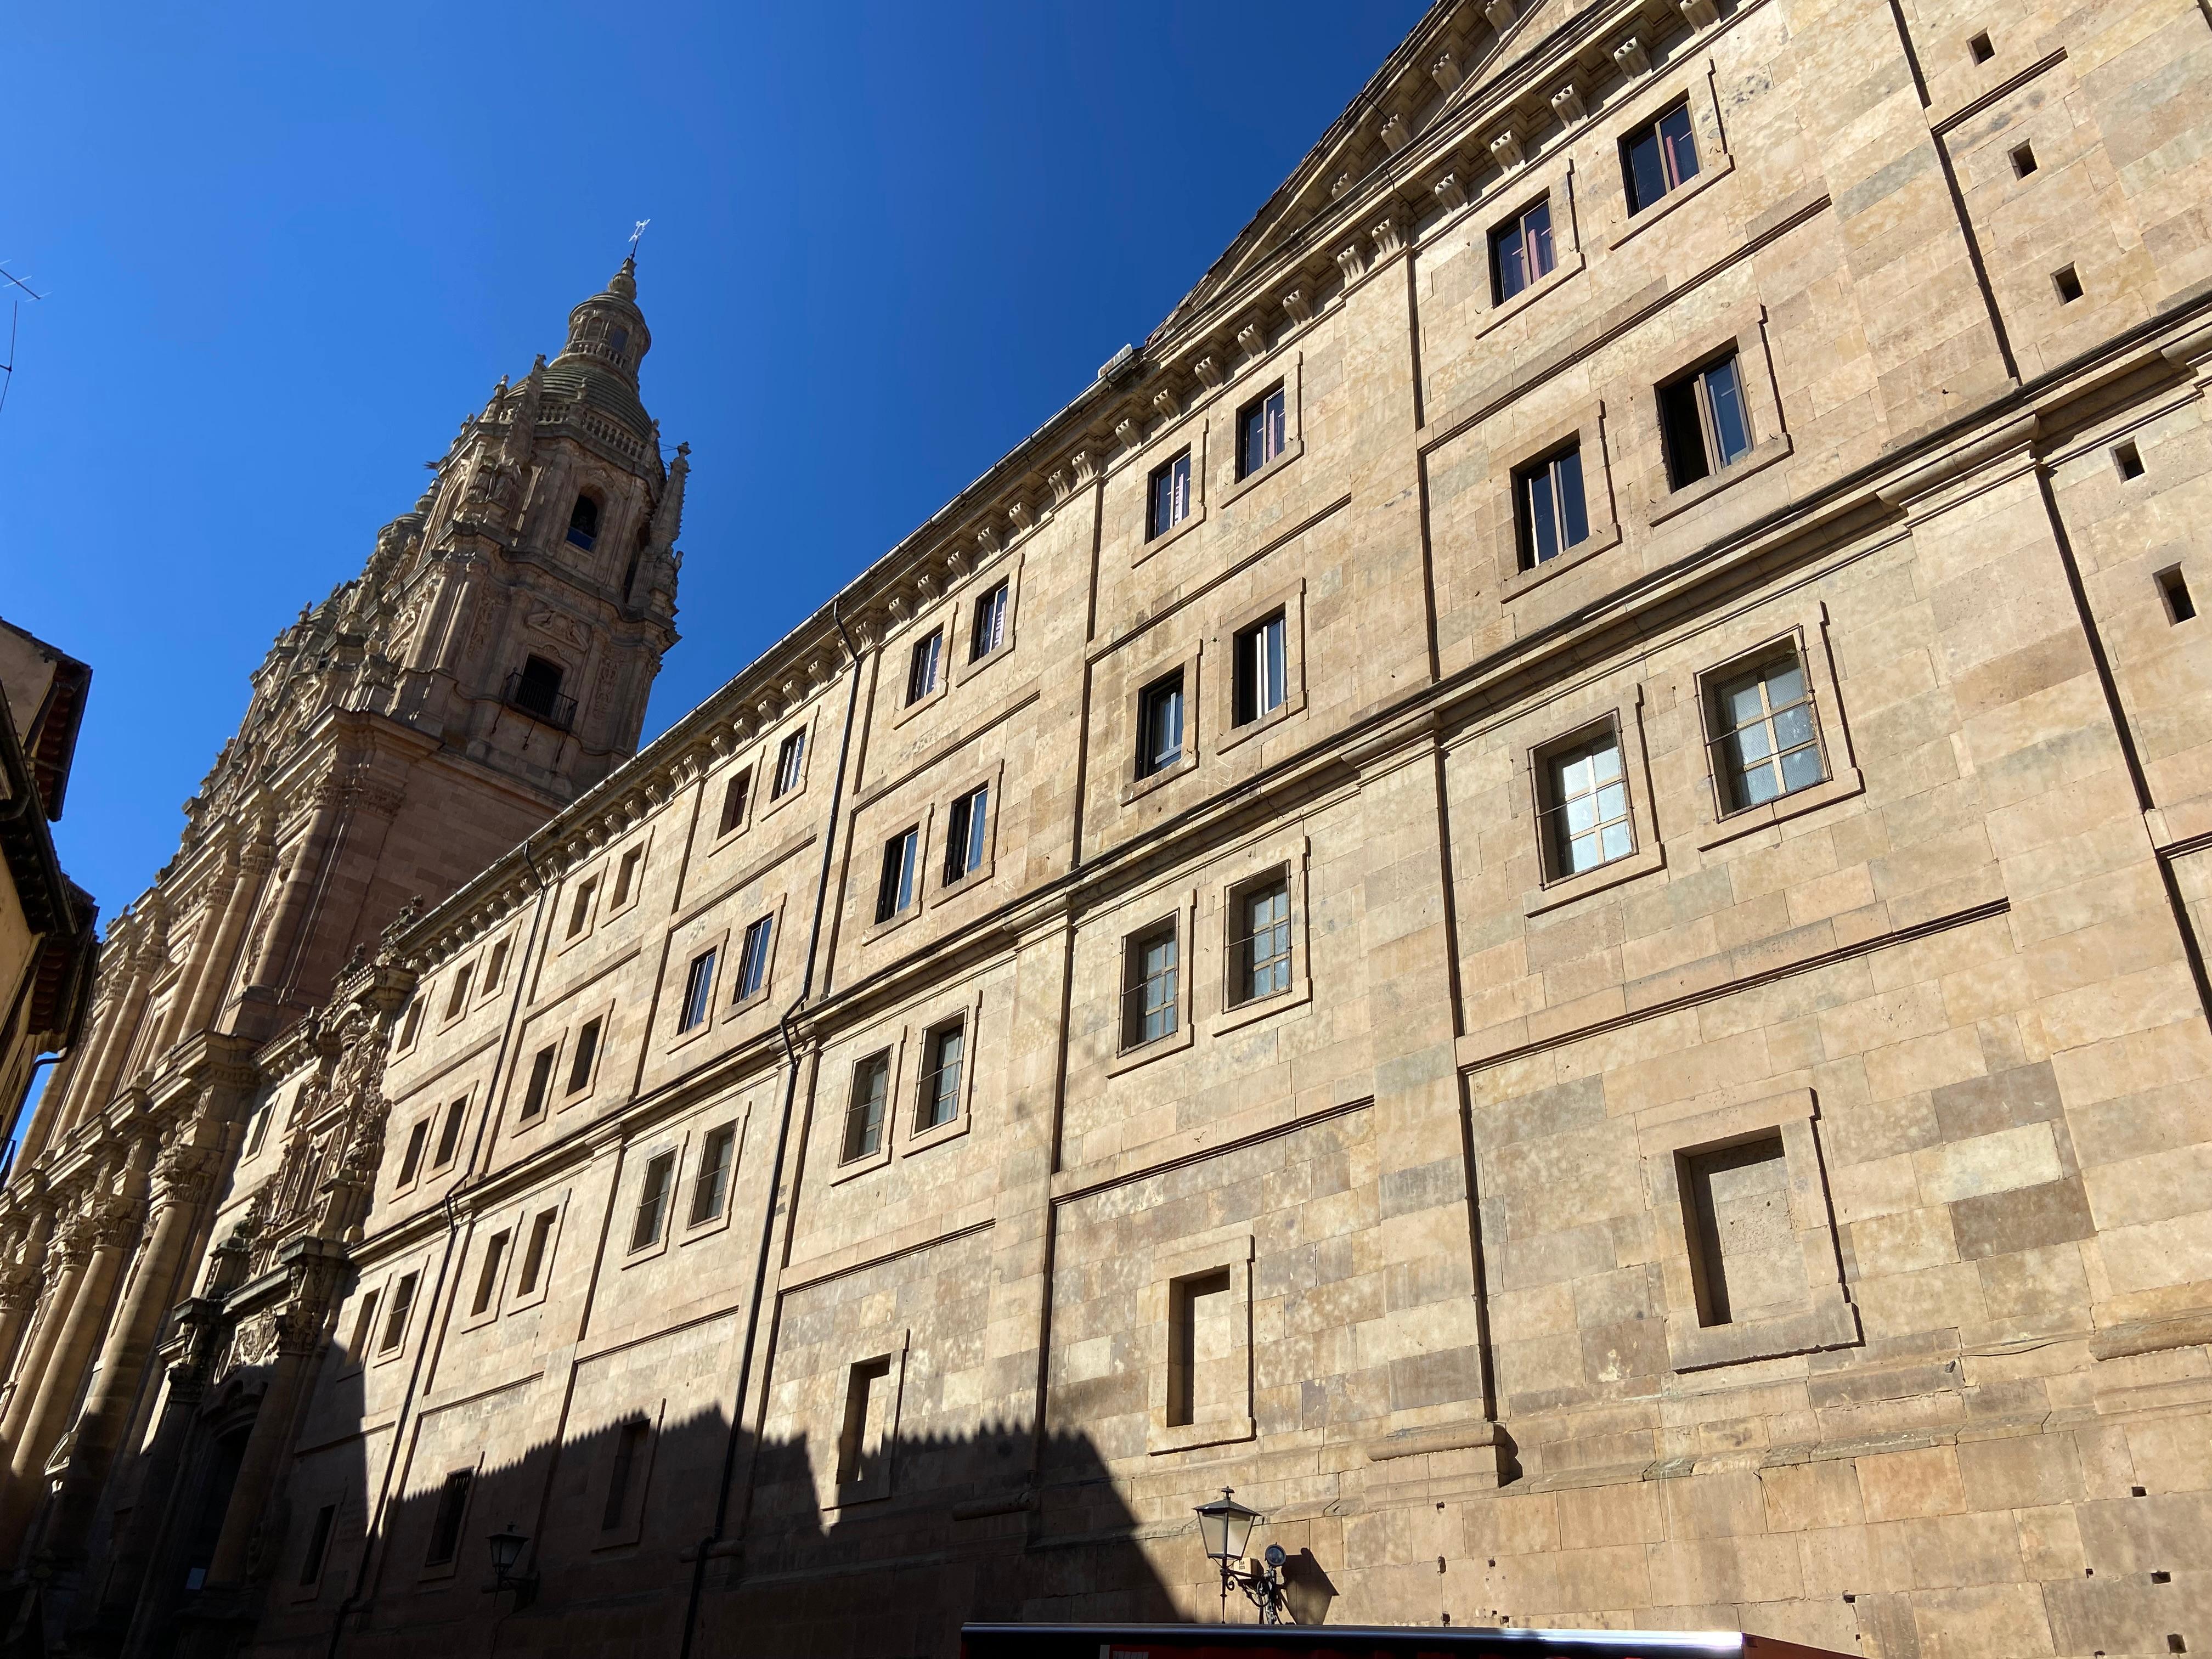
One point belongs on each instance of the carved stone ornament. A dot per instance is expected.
(1209, 373)
(1632, 58)
(1129, 433)
(1061, 482)
(1500, 14)
(1351, 260)
(1022, 516)
(1699, 14)
(1252, 339)
(1166, 402)
(1450, 194)
(1089, 464)
(1567, 103)
(1446, 71)
(1505, 148)
(1396, 133)
(1298, 305)
(1389, 236)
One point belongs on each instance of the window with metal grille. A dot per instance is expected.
(533, 1252)
(541, 1081)
(967, 829)
(1260, 949)
(1261, 431)
(1521, 252)
(395, 1321)
(1167, 496)
(988, 631)
(733, 800)
(1260, 677)
(1769, 741)
(495, 1257)
(938, 1100)
(587, 1051)
(1149, 1008)
(698, 987)
(1586, 813)
(584, 523)
(788, 757)
(653, 1200)
(537, 690)
(921, 666)
(1659, 156)
(864, 1112)
(449, 1137)
(1159, 724)
(1548, 508)
(752, 957)
(895, 886)
(452, 1508)
(710, 1187)
(1703, 423)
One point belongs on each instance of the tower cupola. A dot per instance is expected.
(608, 331)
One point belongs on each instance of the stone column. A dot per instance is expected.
(63, 1273)
(253, 1011)
(174, 1019)
(254, 866)
(52, 1099)
(19, 1288)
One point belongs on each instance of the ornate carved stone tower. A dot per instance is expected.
(491, 661)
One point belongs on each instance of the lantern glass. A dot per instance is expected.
(506, 1549)
(1225, 1526)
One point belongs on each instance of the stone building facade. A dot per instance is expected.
(490, 663)
(1535, 889)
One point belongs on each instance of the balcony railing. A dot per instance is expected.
(540, 701)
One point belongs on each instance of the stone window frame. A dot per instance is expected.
(680, 963)
(301, 1589)
(432, 1164)
(1292, 854)
(594, 871)
(1741, 331)
(942, 618)
(691, 1232)
(488, 988)
(924, 826)
(1623, 712)
(1829, 1318)
(856, 1053)
(1689, 83)
(471, 1270)
(1235, 1250)
(1807, 631)
(1179, 905)
(992, 777)
(1196, 437)
(756, 760)
(966, 1005)
(420, 1267)
(402, 1183)
(518, 1081)
(600, 1477)
(1290, 367)
(736, 932)
(772, 752)
(1164, 660)
(642, 1153)
(1291, 599)
(1585, 428)
(527, 1217)
(979, 582)
(642, 844)
(843, 1494)
(433, 1572)
(1553, 182)
(604, 1011)
(450, 1013)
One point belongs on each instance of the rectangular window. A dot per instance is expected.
(1702, 422)
(319, 1544)
(698, 987)
(411, 1164)
(412, 1026)
(1168, 497)
(733, 801)
(580, 912)
(1547, 501)
(487, 1275)
(1659, 157)
(497, 972)
(449, 1137)
(752, 959)
(533, 1254)
(1202, 1344)
(1149, 1008)
(626, 876)
(1520, 252)
(939, 1102)
(1260, 954)
(629, 1447)
(867, 1411)
(1745, 1258)
(1261, 680)
(579, 1063)
(452, 1508)
(710, 1187)
(895, 887)
(395, 1322)
(257, 1131)
(864, 1114)
(1159, 724)
(1587, 802)
(967, 828)
(459, 999)
(2173, 588)
(1261, 432)
(653, 1200)
(364, 1327)
(789, 758)
(989, 631)
(541, 1081)
(922, 666)
(1769, 743)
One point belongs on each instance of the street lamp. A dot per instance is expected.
(506, 1550)
(1224, 1526)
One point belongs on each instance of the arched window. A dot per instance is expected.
(584, 522)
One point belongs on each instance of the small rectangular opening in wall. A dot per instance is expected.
(2023, 160)
(319, 1544)
(629, 1445)
(2067, 284)
(1744, 1254)
(1200, 1344)
(867, 1411)
(2173, 588)
(2128, 458)
(1979, 48)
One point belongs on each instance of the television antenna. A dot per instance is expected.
(14, 315)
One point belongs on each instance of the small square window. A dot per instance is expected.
(752, 957)
(787, 760)
(988, 630)
(1586, 806)
(734, 793)
(2023, 160)
(579, 1063)
(944, 1054)
(710, 1187)
(2173, 588)
(1150, 975)
(1769, 742)
(1167, 498)
(895, 886)
(2129, 459)
(1979, 49)
(2067, 284)
(863, 1112)
(967, 832)
(1262, 681)
(1159, 724)
(541, 1081)
(1703, 423)
(1521, 252)
(653, 1201)
(921, 666)
(1261, 432)
(698, 990)
(1550, 514)
(1659, 156)
(1260, 947)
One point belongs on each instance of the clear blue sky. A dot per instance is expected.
(289, 248)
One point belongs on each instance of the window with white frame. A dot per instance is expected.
(652, 1212)
(1167, 496)
(1521, 250)
(698, 992)
(1550, 514)
(922, 665)
(944, 1054)
(1159, 724)
(752, 957)
(1262, 431)
(1260, 681)
(967, 829)
(863, 1112)
(788, 757)
(710, 1187)
(1150, 968)
(1703, 426)
(1659, 156)
(895, 886)
(988, 630)
(1585, 804)
(1260, 940)
(1767, 740)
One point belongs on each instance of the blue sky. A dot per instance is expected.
(287, 249)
